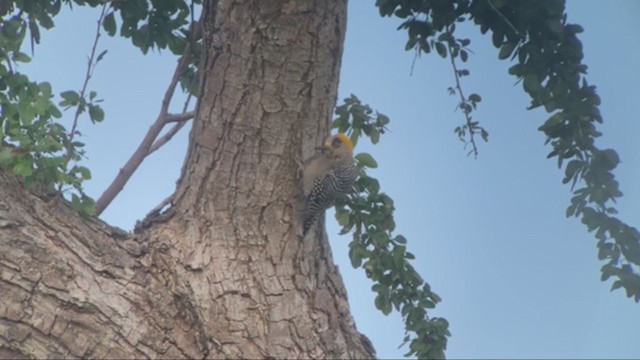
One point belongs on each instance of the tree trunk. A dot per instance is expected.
(224, 273)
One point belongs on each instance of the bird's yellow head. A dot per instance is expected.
(339, 141)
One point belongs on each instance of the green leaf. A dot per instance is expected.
(5, 156)
(109, 24)
(84, 172)
(35, 32)
(484, 134)
(497, 37)
(87, 206)
(344, 218)
(71, 98)
(366, 160)
(531, 83)
(45, 89)
(383, 304)
(75, 202)
(176, 44)
(21, 57)
(96, 113)
(555, 25)
(506, 50)
(574, 28)
(611, 158)
(355, 135)
(400, 239)
(441, 49)
(383, 119)
(101, 55)
(616, 284)
(464, 55)
(24, 167)
(356, 254)
(53, 110)
(572, 167)
(374, 136)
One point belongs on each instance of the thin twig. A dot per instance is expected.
(166, 137)
(463, 100)
(156, 210)
(143, 149)
(505, 18)
(413, 63)
(157, 145)
(13, 18)
(90, 66)
(178, 118)
(174, 130)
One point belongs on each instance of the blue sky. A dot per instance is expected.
(517, 278)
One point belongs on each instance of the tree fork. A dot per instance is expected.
(226, 275)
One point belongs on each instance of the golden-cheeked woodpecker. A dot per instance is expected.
(328, 176)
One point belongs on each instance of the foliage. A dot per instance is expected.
(159, 25)
(384, 256)
(534, 34)
(548, 58)
(33, 145)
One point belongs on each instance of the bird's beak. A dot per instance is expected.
(323, 148)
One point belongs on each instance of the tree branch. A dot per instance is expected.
(81, 106)
(464, 102)
(493, 7)
(174, 130)
(143, 149)
(179, 118)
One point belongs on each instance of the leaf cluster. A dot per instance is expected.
(33, 144)
(435, 30)
(548, 61)
(368, 212)
(160, 24)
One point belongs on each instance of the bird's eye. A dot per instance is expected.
(336, 143)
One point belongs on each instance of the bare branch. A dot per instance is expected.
(174, 130)
(157, 145)
(463, 100)
(158, 209)
(143, 149)
(179, 118)
(149, 143)
(505, 19)
(166, 137)
(90, 67)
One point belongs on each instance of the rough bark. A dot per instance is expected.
(224, 273)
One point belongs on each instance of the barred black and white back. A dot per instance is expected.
(326, 191)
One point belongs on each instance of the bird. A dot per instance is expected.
(328, 176)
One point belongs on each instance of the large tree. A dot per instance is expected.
(220, 270)
(224, 274)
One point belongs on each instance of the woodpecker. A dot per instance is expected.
(328, 176)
